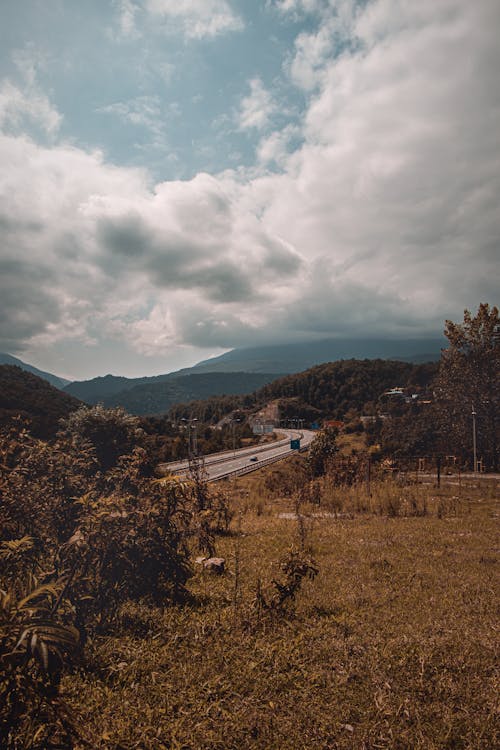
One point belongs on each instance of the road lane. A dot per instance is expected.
(217, 465)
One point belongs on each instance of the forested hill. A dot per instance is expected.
(34, 399)
(335, 388)
(158, 397)
(8, 359)
(331, 390)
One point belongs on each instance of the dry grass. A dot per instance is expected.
(391, 646)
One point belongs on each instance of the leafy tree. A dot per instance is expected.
(111, 432)
(469, 380)
(322, 449)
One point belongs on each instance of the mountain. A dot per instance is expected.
(32, 397)
(8, 359)
(338, 390)
(100, 389)
(156, 395)
(290, 358)
(333, 389)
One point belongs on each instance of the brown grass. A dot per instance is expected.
(391, 646)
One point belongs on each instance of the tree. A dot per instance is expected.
(111, 432)
(469, 381)
(322, 449)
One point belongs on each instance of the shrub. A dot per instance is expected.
(111, 432)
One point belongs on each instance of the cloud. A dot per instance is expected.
(297, 7)
(196, 18)
(144, 112)
(104, 245)
(383, 217)
(277, 146)
(25, 106)
(127, 15)
(24, 109)
(257, 108)
(400, 164)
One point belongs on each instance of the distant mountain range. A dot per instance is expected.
(291, 358)
(150, 396)
(8, 359)
(237, 372)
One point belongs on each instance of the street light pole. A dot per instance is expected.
(233, 424)
(195, 436)
(474, 449)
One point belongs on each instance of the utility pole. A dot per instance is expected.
(474, 447)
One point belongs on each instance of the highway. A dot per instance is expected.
(243, 461)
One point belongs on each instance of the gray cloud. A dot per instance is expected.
(28, 304)
(383, 220)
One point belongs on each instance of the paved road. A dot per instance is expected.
(245, 460)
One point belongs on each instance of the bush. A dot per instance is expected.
(110, 432)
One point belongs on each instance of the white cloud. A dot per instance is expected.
(314, 49)
(394, 188)
(276, 147)
(197, 18)
(297, 7)
(144, 111)
(26, 106)
(256, 108)
(385, 219)
(127, 10)
(19, 109)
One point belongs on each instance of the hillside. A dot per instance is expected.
(158, 397)
(33, 398)
(268, 361)
(55, 380)
(333, 389)
(330, 390)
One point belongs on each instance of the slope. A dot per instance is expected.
(33, 398)
(158, 397)
(55, 380)
(295, 357)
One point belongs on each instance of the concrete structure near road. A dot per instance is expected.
(261, 428)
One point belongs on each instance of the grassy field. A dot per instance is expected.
(391, 645)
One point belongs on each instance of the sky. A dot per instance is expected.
(182, 177)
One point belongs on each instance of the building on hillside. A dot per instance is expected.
(336, 424)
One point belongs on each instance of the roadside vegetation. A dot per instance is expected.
(334, 600)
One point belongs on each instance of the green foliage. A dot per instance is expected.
(112, 433)
(321, 451)
(128, 544)
(469, 379)
(336, 388)
(295, 566)
(415, 432)
(156, 395)
(37, 639)
(40, 404)
(40, 486)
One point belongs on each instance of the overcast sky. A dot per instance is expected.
(181, 177)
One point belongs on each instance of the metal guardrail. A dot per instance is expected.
(254, 467)
(224, 455)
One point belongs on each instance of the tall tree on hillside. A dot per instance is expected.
(322, 450)
(468, 386)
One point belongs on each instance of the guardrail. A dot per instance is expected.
(254, 467)
(223, 456)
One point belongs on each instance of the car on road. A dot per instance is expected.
(254, 458)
